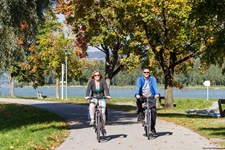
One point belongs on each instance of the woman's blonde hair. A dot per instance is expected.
(93, 74)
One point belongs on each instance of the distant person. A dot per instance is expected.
(97, 88)
(146, 86)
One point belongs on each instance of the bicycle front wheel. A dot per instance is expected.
(148, 125)
(98, 126)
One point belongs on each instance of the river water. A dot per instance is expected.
(115, 92)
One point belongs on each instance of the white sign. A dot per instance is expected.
(207, 83)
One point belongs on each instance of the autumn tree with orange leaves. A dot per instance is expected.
(97, 24)
(162, 34)
(174, 36)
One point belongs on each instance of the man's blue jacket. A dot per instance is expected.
(152, 84)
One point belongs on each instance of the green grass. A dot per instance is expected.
(28, 128)
(38, 129)
(205, 125)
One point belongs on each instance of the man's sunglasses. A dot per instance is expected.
(146, 72)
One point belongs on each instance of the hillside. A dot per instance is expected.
(96, 55)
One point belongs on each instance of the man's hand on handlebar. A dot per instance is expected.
(138, 96)
(157, 96)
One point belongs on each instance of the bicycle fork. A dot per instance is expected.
(147, 120)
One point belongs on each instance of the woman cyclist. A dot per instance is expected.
(97, 89)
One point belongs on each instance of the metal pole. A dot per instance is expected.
(66, 75)
(207, 93)
(62, 79)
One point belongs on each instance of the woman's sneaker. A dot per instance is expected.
(92, 122)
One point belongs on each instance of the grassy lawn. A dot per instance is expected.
(23, 127)
(28, 128)
(210, 127)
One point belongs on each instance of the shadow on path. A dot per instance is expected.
(76, 115)
(111, 137)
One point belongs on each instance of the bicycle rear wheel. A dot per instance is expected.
(98, 125)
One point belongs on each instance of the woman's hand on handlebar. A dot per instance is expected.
(87, 98)
(108, 98)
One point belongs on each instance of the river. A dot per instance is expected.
(115, 92)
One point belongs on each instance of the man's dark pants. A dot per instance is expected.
(140, 109)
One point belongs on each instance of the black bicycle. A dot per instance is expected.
(147, 119)
(98, 120)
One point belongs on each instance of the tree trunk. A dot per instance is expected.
(169, 97)
(11, 91)
(108, 81)
(168, 89)
(57, 88)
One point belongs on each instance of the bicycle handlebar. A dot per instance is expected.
(104, 97)
(150, 97)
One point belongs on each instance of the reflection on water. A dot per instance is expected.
(115, 92)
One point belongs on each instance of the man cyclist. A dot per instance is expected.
(146, 86)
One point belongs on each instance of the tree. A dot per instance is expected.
(174, 38)
(19, 21)
(49, 52)
(100, 24)
(163, 33)
(212, 14)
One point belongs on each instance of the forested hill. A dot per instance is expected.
(96, 55)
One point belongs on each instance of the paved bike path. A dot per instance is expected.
(123, 132)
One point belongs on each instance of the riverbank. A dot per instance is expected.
(198, 87)
(160, 86)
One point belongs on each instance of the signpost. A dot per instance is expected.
(62, 80)
(207, 84)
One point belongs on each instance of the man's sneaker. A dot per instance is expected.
(140, 117)
(92, 122)
(153, 131)
(103, 131)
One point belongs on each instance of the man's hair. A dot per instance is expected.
(145, 68)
